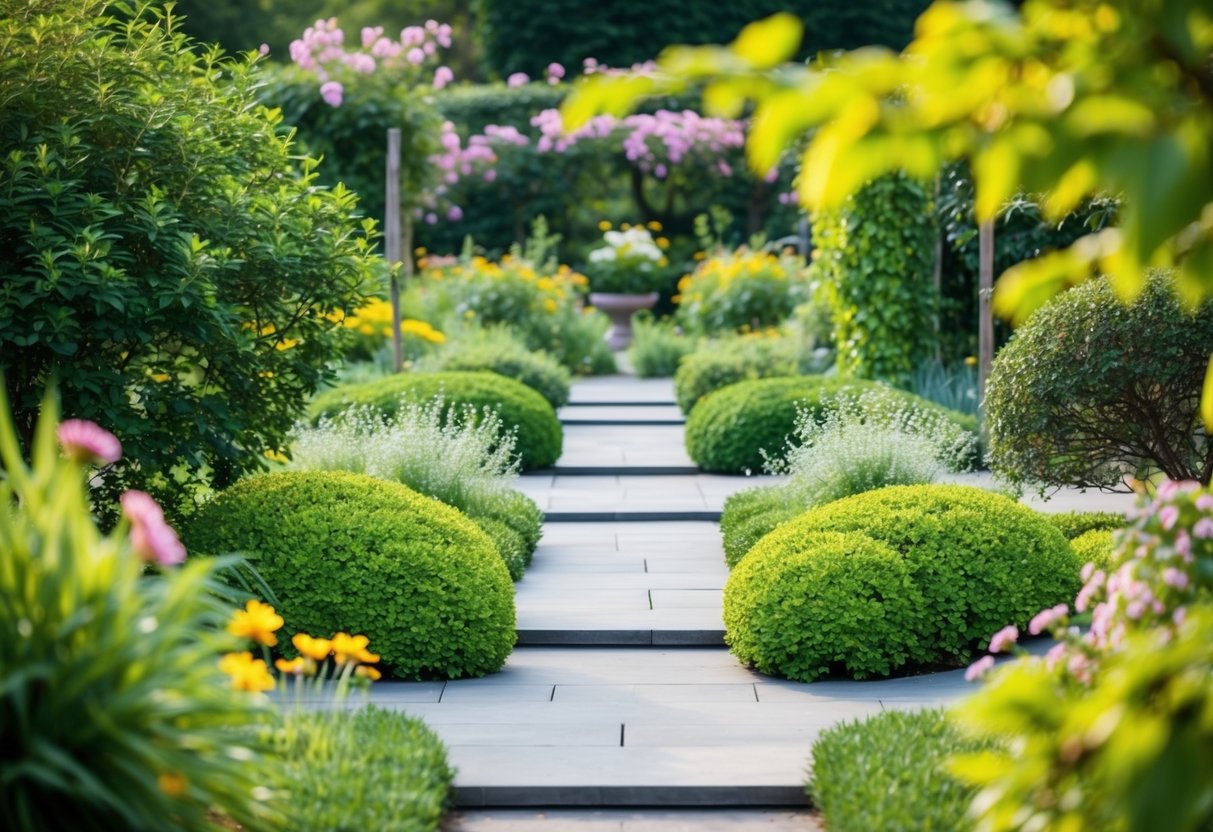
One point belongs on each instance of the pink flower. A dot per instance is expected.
(431, 218)
(1168, 516)
(443, 76)
(85, 441)
(331, 92)
(1174, 577)
(490, 175)
(263, 49)
(979, 668)
(1046, 619)
(1203, 528)
(1204, 502)
(454, 213)
(1055, 655)
(151, 537)
(1004, 638)
(518, 79)
(415, 56)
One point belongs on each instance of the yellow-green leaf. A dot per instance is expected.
(1110, 114)
(996, 178)
(769, 42)
(1206, 399)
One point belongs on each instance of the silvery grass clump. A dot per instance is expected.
(868, 441)
(466, 459)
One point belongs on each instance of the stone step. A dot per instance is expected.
(668, 497)
(629, 516)
(634, 413)
(596, 446)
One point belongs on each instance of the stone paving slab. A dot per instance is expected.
(632, 493)
(609, 446)
(613, 390)
(634, 820)
(614, 414)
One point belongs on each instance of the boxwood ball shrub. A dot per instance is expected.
(1073, 524)
(728, 360)
(347, 552)
(728, 430)
(1094, 547)
(1090, 390)
(539, 435)
(980, 560)
(497, 351)
(889, 771)
(749, 515)
(823, 603)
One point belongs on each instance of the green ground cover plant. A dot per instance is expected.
(347, 552)
(890, 771)
(539, 437)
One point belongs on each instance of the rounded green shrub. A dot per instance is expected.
(539, 434)
(1090, 390)
(346, 552)
(499, 352)
(980, 560)
(509, 543)
(728, 430)
(518, 511)
(823, 603)
(728, 360)
(1073, 524)
(748, 515)
(1094, 547)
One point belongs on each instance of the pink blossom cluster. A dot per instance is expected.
(457, 161)
(1163, 561)
(322, 51)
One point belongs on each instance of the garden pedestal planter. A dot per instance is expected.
(620, 308)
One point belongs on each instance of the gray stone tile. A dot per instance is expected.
(686, 598)
(458, 693)
(708, 734)
(668, 564)
(529, 735)
(655, 693)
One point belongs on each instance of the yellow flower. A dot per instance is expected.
(257, 621)
(266, 374)
(971, 361)
(699, 255)
(366, 329)
(420, 251)
(663, 262)
(368, 673)
(550, 305)
(172, 783)
(604, 226)
(247, 673)
(347, 648)
(295, 667)
(684, 283)
(655, 226)
(625, 226)
(316, 649)
(276, 456)
(663, 242)
(160, 378)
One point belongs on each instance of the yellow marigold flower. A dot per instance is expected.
(348, 648)
(257, 621)
(655, 226)
(295, 667)
(316, 649)
(172, 783)
(676, 298)
(663, 242)
(247, 673)
(663, 262)
(366, 329)
(604, 226)
(336, 316)
(420, 251)
(625, 226)
(684, 283)
(550, 305)
(545, 284)
(387, 332)
(368, 672)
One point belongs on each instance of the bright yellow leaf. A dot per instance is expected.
(770, 42)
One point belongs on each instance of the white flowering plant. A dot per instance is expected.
(629, 262)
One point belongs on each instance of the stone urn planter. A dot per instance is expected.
(620, 309)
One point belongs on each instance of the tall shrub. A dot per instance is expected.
(166, 254)
(875, 256)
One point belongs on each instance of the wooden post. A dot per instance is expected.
(985, 327)
(392, 241)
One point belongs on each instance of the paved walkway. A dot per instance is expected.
(621, 693)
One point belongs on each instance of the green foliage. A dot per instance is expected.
(750, 515)
(1076, 523)
(526, 36)
(889, 771)
(822, 603)
(875, 257)
(509, 543)
(951, 386)
(979, 559)
(723, 361)
(109, 677)
(517, 511)
(498, 350)
(370, 769)
(473, 107)
(167, 254)
(657, 346)
(1094, 546)
(519, 407)
(1090, 391)
(742, 289)
(346, 552)
(729, 430)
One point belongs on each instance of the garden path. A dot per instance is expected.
(621, 693)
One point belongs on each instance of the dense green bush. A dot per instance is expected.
(167, 254)
(346, 552)
(980, 560)
(742, 289)
(657, 347)
(729, 429)
(1094, 547)
(889, 771)
(723, 361)
(499, 351)
(1073, 524)
(518, 406)
(370, 769)
(750, 514)
(518, 511)
(510, 544)
(526, 36)
(1091, 391)
(875, 256)
(821, 603)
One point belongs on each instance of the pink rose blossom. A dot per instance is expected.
(1055, 655)
(1204, 502)
(431, 218)
(518, 79)
(454, 213)
(1174, 577)
(979, 668)
(415, 56)
(1045, 619)
(331, 92)
(1203, 528)
(1168, 516)
(263, 49)
(86, 441)
(443, 76)
(1004, 638)
(151, 537)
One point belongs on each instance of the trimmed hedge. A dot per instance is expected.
(727, 430)
(333, 762)
(822, 603)
(889, 772)
(509, 358)
(539, 435)
(1074, 524)
(975, 561)
(509, 543)
(1094, 547)
(715, 365)
(519, 512)
(347, 552)
(750, 515)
